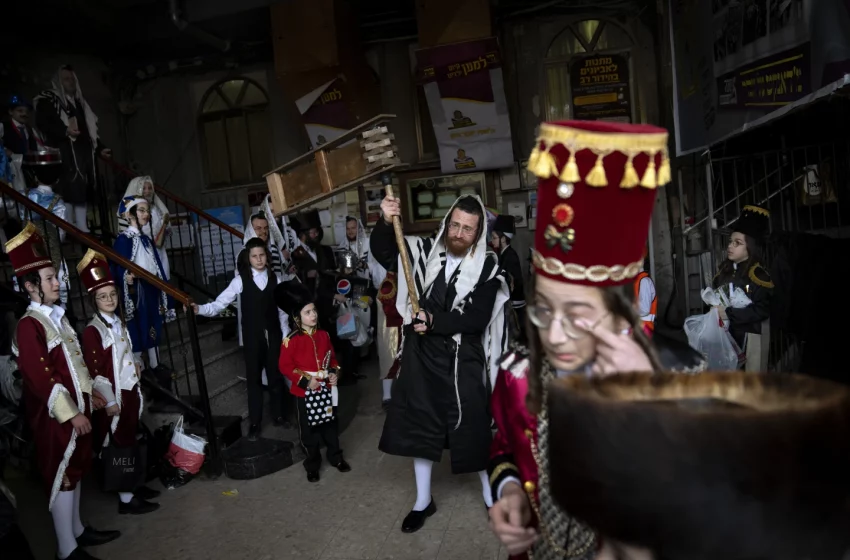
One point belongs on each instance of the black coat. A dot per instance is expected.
(509, 261)
(441, 397)
(754, 279)
(78, 157)
(14, 142)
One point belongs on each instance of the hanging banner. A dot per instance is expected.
(736, 61)
(600, 88)
(465, 91)
(326, 113)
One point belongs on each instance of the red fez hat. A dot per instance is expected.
(94, 271)
(596, 191)
(44, 155)
(27, 251)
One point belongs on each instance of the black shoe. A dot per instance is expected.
(92, 537)
(145, 493)
(415, 520)
(342, 466)
(312, 476)
(254, 432)
(79, 554)
(137, 506)
(282, 422)
(385, 404)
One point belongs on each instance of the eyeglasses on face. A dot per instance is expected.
(466, 231)
(112, 296)
(542, 316)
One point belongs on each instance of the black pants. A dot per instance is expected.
(254, 373)
(313, 436)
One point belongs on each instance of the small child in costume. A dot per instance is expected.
(115, 370)
(307, 359)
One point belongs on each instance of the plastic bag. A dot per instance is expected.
(346, 324)
(186, 451)
(712, 341)
(362, 318)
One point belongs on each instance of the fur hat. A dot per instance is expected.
(292, 296)
(701, 467)
(753, 221)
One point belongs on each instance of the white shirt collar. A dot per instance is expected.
(18, 124)
(258, 272)
(55, 312)
(133, 229)
(110, 319)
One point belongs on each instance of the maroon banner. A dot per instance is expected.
(462, 70)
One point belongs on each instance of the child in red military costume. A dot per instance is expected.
(595, 199)
(116, 371)
(57, 394)
(307, 360)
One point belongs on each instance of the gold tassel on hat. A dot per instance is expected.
(630, 176)
(664, 174)
(570, 173)
(545, 166)
(649, 177)
(596, 177)
(533, 158)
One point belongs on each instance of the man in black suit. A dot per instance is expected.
(18, 136)
(500, 239)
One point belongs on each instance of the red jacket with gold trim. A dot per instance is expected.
(301, 357)
(510, 453)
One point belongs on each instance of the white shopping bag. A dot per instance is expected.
(713, 341)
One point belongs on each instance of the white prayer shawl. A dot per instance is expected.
(60, 102)
(159, 211)
(426, 267)
(360, 247)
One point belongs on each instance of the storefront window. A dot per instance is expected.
(580, 38)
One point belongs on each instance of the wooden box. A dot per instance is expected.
(360, 154)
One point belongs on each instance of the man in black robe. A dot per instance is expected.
(449, 350)
(69, 125)
(500, 239)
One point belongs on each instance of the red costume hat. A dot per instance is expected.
(93, 269)
(27, 251)
(596, 191)
(44, 155)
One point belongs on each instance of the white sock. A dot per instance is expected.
(485, 488)
(138, 356)
(79, 217)
(388, 386)
(125, 497)
(78, 523)
(63, 523)
(152, 360)
(422, 470)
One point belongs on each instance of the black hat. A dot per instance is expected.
(292, 296)
(17, 101)
(707, 466)
(753, 221)
(505, 223)
(307, 220)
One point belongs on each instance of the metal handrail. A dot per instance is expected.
(6, 190)
(191, 207)
(88, 240)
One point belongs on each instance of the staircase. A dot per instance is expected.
(204, 386)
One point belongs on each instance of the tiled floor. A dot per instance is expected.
(355, 515)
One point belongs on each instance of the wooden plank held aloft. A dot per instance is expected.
(361, 153)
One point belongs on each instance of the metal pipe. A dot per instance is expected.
(175, 13)
(212, 440)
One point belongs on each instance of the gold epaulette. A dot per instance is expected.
(757, 269)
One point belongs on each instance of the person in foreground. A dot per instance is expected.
(307, 359)
(593, 221)
(117, 373)
(58, 394)
(450, 349)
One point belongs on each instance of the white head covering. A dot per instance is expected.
(59, 99)
(159, 211)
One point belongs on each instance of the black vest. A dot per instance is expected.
(259, 311)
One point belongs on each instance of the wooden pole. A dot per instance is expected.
(386, 179)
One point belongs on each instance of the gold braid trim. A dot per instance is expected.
(21, 238)
(757, 209)
(88, 258)
(500, 469)
(543, 164)
(763, 283)
(577, 272)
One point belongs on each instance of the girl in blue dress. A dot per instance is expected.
(145, 306)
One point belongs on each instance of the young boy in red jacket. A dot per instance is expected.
(307, 360)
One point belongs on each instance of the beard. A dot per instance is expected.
(458, 247)
(313, 243)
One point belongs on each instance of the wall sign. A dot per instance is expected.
(600, 88)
